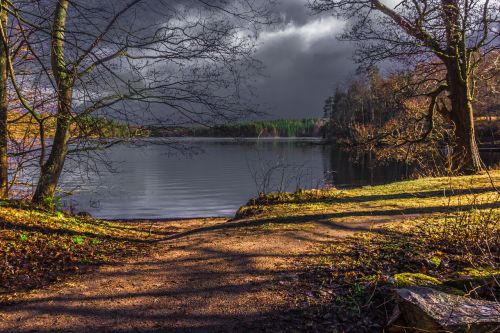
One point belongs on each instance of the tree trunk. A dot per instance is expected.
(466, 158)
(51, 170)
(3, 112)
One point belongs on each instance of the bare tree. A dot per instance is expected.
(4, 105)
(450, 36)
(131, 61)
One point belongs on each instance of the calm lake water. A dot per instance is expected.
(215, 178)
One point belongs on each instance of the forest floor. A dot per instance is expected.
(308, 261)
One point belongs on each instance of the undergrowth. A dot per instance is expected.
(38, 247)
(457, 253)
(439, 232)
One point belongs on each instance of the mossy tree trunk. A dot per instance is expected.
(52, 168)
(466, 158)
(3, 108)
(460, 82)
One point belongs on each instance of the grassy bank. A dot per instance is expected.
(420, 196)
(39, 247)
(440, 232)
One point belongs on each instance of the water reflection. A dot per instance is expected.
(347, 171)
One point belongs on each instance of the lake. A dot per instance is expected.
(212, 177)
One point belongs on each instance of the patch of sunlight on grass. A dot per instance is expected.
(426, 195)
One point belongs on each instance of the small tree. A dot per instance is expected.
(451, 36)
(122, 60)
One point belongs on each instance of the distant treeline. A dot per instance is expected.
(311, 127)
(108, 128)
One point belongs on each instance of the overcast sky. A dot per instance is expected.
(303, 59)
(303, 62)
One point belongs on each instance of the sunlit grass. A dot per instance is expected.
(426, 196)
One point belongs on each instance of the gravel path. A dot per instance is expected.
(204, 275)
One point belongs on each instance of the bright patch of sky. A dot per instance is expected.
(307, 34)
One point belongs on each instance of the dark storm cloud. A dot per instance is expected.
(304, 61)
(293, 10)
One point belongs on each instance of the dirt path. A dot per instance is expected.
(204, 275)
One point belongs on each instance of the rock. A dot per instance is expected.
(396, 323)
(427, 309)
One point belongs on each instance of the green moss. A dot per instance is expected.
(404, 280)
(415, 279)
(436, 261)
(475, 279)
(481, 272)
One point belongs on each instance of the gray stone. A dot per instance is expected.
(423, 308)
